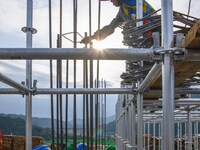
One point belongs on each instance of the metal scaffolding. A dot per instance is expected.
(172, 121)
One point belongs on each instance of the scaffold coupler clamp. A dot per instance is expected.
(23, 83)
(34, 88)
(178, 53)
(133, 90)
(29, 29)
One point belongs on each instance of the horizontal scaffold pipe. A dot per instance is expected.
(177, 91)
(85, 91)
(76, 53)
(72, 91)
(183, 101)
(13, 83)
(10, 91)
(192, 54)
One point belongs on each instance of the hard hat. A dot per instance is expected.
(81, 146)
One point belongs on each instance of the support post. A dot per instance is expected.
(189, 130)
(167, 76)
(139, 121)
(133, 130)
(29, 78)
(139, 14)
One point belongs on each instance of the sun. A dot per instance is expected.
(99, 45)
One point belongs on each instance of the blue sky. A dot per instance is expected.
(13, 18)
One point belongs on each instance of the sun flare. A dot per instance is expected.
(99, 45)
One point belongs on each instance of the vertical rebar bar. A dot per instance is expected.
(84, 97)
(51, 77)
(105, 115)
(87, 104)
(75, 45)
(167, 76)
(87, 100)
(59, 63)
(91, 103)
(59, 100)
(66, 105)
(96, 116)
(59, 66)
(29, 77)
(91, 78)
(59, 74)
(57, 120)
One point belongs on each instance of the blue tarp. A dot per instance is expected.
(41, 147)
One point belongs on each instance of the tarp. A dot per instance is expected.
(41, 147)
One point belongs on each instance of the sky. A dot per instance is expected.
(13, 18)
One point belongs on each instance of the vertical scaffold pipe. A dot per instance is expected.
(139, 95)
(189, 130)
(178, 133)
(167, 77)
(181, 133)
(29, 77)
(133, 129)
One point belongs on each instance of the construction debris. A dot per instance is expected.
(12, 142)
(142, 36)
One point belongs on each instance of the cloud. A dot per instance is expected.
(13, 18)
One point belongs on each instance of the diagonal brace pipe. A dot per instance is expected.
(13, 83)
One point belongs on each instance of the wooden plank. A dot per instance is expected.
(192, 39)
(183, 70)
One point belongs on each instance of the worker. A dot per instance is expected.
(127, 11)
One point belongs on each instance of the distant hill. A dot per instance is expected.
(16, 126)
(111, 128)
(46, 122)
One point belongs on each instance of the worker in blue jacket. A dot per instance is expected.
(127, 11)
